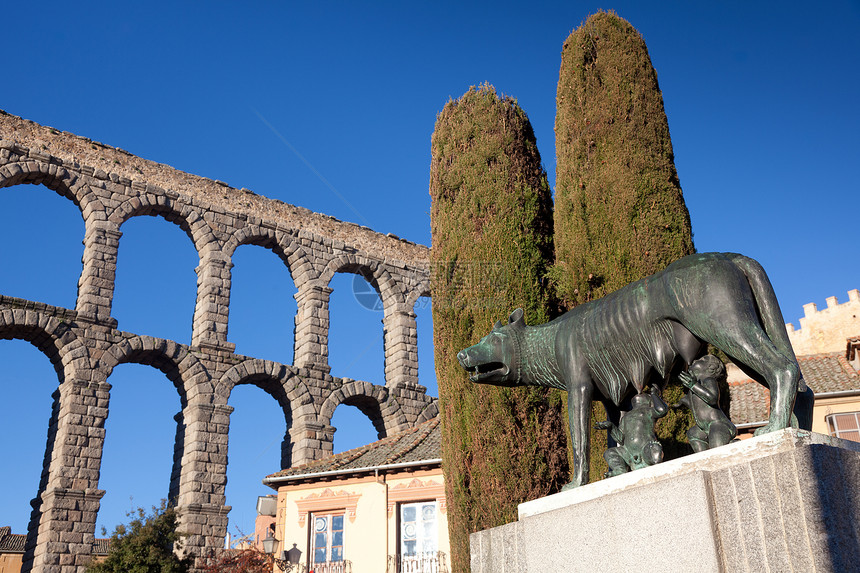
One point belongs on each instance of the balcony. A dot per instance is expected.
(432, 562)
(332, 567)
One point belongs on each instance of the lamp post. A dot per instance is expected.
(289, 560)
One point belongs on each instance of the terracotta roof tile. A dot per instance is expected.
(823, 373)
(423, 442)
(11, 542)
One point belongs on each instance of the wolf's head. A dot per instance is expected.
(496, 358)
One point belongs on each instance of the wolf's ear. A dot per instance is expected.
(498, 325)
(516, 318)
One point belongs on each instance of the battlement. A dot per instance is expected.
(826, 330)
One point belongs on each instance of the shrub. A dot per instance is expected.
(145, 545)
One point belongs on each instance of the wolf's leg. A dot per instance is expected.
(745, 341)
(803, 409)
(579, 413)
(613, 414)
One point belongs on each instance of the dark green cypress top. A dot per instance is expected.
(619, 211)
(491, 220)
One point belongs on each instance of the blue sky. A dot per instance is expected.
(330, 106)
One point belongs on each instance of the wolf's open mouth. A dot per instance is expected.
(481, 371)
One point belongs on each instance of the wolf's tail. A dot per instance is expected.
(768, 308)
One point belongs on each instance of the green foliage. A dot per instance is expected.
(492, 243)
(619, 211)
(145, 545)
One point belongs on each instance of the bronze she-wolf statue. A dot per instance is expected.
(644, 332)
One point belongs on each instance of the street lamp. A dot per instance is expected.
(289, 560)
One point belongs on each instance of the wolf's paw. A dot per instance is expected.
(768, 428)
(571, 485)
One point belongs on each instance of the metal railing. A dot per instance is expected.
(331, 567)
(431, 562)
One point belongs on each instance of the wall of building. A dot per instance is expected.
(111, 186)
(827, 406)
(826, 330)
(370, 504)
(10, 562)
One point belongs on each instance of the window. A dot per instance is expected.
(419, 537)
(845, 426)
(327, 538)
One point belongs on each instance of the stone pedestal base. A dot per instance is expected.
(785, 501)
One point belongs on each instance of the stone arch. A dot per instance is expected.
(422, 289)
(189, 220)
(187, 373)
(283, 244)
(53, 337)
(282, 384)
(375, 402)
(372, 271)
(291, 393)
(429, 412)
(58, 179)
(182, 368)
(286, 248)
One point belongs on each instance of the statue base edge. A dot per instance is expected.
(788, 500)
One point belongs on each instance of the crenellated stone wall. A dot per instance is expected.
(110, 186)
(826, 330)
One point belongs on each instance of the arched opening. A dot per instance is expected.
(262, 305)
(426, 359)
(140, 433)
(47, 233)
(156, 284)
(28, 381)
(355, 342)
(354, 427)
(258, 434)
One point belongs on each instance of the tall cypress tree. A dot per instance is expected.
(491, 220)
(619, 211)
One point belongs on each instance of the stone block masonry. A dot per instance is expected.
(110, 186)
(785, 501)
(826, 330)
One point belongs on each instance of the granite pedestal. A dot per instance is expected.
(785, 501)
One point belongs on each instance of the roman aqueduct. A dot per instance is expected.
(84, 344)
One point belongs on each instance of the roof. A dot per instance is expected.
(11, 542)
(423, 443)
(14, 542)
(824, 373)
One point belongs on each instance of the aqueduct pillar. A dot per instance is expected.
(96, 285)
(213, 301)
(66, 508)
(312, 323)
(401, 347)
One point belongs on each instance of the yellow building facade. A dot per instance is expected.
(378, 508)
